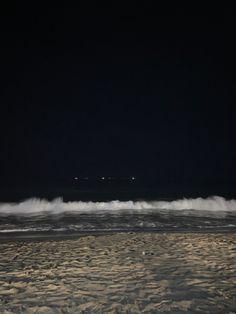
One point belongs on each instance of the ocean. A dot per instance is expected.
(36, 217)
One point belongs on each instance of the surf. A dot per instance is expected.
(35, 206)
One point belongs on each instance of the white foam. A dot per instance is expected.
(58, 206)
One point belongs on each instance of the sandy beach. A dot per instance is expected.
(120, 273)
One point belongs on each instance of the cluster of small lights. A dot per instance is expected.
(104, 178)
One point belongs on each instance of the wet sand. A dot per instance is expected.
(120, 273)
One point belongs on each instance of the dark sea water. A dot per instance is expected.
(40, 217)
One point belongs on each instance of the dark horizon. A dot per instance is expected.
(110, 91)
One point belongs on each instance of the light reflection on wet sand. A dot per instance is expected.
(120, 273)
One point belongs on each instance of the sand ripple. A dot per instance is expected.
(120, 273)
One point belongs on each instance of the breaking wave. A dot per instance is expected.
(36, 206)
(34, 217)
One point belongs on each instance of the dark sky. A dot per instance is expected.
(136, 90)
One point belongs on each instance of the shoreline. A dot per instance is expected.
(37, 236)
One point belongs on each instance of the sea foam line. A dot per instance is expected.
(35, 206)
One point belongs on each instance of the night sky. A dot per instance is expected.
(117, 91)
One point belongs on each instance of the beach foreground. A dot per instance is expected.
(120, 273)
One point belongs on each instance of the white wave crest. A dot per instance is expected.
(58, 206)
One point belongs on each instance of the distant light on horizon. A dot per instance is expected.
(105, 178)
